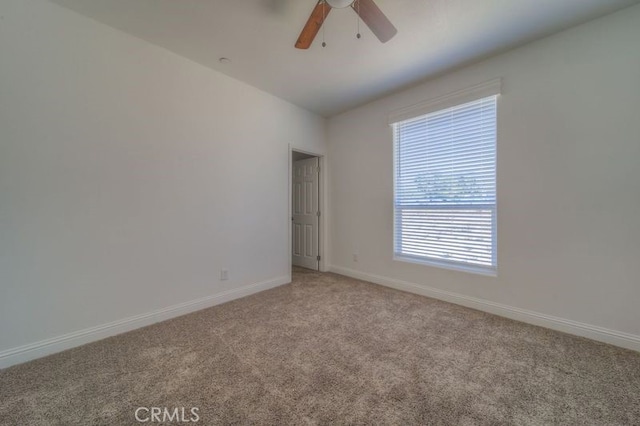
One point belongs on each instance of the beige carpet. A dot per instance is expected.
(328, 349)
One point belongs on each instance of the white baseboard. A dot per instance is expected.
(617, 338)
(67, 341)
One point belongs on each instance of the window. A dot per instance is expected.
(445, 187)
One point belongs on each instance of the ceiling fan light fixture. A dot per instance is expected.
(340, 4)
(367, 10)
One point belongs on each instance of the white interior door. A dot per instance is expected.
(306, 213)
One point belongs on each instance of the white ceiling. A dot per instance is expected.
(259, 35)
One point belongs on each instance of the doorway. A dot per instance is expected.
(305, 207)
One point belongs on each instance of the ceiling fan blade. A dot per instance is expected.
(371, 14)
(313, 25)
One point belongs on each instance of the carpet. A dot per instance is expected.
(327, 349)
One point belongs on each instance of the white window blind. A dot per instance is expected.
(445, 187)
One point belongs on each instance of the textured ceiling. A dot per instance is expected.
(259, 35)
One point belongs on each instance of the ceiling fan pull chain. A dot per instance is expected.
(324, 16)
(358, 20)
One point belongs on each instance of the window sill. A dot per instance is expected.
(479, 270)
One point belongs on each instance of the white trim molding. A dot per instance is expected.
(42, 348)
(613, 337)
(482, 90)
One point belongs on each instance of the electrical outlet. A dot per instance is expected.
(224, 274)
(355, 257)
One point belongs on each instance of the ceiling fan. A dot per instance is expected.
(368, 11)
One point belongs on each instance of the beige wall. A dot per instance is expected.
(129, 177)
(568, 183)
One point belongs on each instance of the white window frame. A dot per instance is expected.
(474, 93)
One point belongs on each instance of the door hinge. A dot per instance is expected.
(318, 258)
(318, 214)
